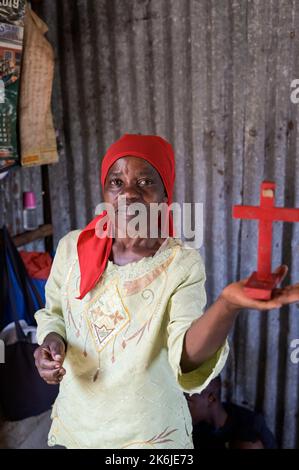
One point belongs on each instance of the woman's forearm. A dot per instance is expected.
(207, 334)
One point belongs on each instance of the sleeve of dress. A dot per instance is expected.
(50, 318)
(186, 305)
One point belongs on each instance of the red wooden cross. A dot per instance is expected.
(263, 281)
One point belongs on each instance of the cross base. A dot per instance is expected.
(261, 289)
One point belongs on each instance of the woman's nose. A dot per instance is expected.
(131, 192)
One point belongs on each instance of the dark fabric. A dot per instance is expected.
(22, 392)
(242, 425)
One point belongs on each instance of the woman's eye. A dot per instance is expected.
(115, 182)
(145, 182)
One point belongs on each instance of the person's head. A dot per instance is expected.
(203, 406)
(145, 171)
(137, 169)
(136, 179)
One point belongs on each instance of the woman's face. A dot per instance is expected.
(134, 180)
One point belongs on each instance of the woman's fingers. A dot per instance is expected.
(288, 296)
(51, 365)
(243, 281)
(267, 304)
(54, 382)
(44, 359)
(49, 370)
(52, 376)
(46, 364)
(282, 271)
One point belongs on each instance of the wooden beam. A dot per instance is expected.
(47, 205)
(24, 238)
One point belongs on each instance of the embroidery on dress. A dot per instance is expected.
(67, 295)
(106, 317)
(161, 438)
(136, 285)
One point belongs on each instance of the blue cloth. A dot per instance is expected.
(19, 298)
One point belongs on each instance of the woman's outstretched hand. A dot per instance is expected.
(235, 296)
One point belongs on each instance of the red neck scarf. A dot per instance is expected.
(93, 252)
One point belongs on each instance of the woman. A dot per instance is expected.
(123, 329)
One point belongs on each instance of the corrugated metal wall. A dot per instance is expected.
(213, 77)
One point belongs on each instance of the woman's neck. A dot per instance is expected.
(125, 251)
(136, 244)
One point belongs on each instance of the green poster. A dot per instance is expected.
(11, 43)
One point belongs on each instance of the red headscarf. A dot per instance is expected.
(93, 252)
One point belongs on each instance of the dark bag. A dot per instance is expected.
(23, 393)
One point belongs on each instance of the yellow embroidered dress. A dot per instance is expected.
(123, 386)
